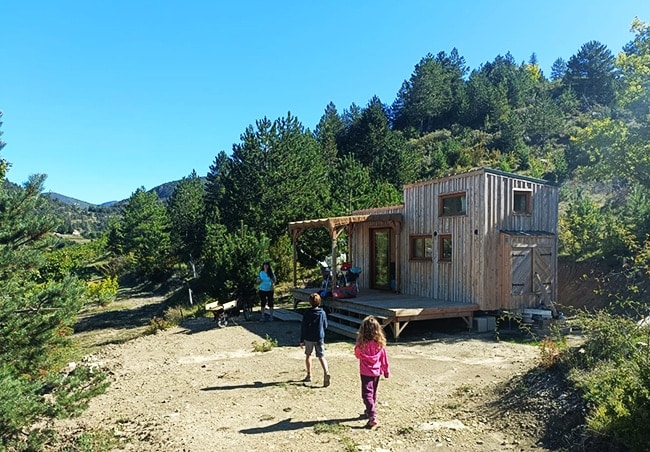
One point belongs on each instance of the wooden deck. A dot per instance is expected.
(392, 310)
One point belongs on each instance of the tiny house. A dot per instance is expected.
(485, 239)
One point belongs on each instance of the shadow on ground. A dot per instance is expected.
(120, 319)
(288, 425)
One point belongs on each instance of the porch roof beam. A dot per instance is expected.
(334, 223)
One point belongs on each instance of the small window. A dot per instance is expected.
(444, 248)
(455, 204)
(421, 247)
(521, 202)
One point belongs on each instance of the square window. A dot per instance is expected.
(444, 248)
(521, 202)
(455, 204)
(421, 247)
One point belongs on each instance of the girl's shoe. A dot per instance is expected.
(371, 423)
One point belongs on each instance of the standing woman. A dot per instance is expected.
(266, 280)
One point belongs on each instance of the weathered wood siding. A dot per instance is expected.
(475, 273)
(458, 280)
(500, 216)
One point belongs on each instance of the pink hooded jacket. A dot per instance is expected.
(373, 360)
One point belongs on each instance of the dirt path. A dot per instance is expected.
(203, 388)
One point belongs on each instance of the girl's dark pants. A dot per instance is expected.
(369, 394)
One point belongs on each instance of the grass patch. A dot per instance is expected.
(338, 430)
(267, 345)
(327, 427)
(90, 441)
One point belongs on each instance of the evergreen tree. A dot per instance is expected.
(36, 319)
(232, 261)
(3, 163)
(434, 97)
(327, 131)
(215, 187)
(371, 141)
(352, 187)
(618, 151)
(276, 174)
(618, 147)
(146, 234)
(186, 210)
(558, 69)
(591, 74)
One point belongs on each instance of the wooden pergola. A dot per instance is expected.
(335, 226)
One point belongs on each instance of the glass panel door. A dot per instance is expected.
(380, 272)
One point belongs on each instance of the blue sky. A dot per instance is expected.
(107, 96)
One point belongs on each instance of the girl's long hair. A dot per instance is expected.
(371, 330)
(269, 271)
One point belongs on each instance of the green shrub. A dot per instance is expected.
(171, 318)
(612, 369)
(103, 291)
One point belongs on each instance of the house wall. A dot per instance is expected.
(475, 272)
(500, 216)
(460, 279)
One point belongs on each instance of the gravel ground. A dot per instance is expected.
(198, 387)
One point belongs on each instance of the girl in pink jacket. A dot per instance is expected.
(370, 350)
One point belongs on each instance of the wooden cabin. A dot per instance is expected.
(485, 240)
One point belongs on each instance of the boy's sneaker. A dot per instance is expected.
(307, 379)
(327, 380)
(371, 423)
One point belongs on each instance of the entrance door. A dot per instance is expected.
(380, 272)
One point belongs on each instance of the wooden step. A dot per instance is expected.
(286, 315)
(358, 313)
(345, 318)
(343, 330)
(379, 314)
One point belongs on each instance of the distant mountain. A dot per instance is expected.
(164, 192)
(69, 201)
(88, 219)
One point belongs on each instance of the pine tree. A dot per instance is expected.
(146, 234)
(276, 174)
(36, 319)
(186, 210)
